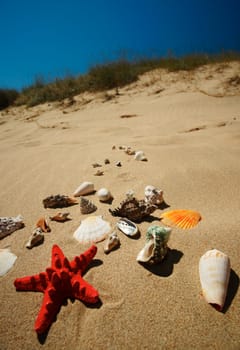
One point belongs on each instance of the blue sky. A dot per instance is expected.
(52, 38)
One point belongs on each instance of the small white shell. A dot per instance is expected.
(153, 195)
(214, 272)
(147, 252)
(7, 260)
(85, 188)
(36, 238)
(104, 195)
(92, 229)
(86, 206)
(112, 242)
(140, 155)
(128, 227)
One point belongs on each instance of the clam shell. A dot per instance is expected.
(10, 224)
(36, 238)
(85, 188)
(7, 260)
(140, 155)
(182, 218)
(92, 229)
(86, 206)
(214, 272)
(104, 195)
(155, 248)
(128, 227)
(112, 243)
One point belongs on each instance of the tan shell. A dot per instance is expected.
(86, 206)
(112, 243)
(134, 209)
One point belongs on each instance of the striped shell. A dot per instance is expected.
(92, 229)
(133, 209)
(86, 206)
(182, 218)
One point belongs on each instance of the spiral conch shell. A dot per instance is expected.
(86, 206)
(214, 272)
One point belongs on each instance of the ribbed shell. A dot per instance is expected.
(86, 206)
(92, 229)
(182, 218)
(133, 209)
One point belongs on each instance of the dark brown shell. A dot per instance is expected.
(133, 209)
(58, 201)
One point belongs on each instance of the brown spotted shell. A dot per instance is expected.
(58, 201)
(133, 209)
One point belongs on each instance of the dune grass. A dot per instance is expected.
(106, 76)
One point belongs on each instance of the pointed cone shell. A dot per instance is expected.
(85, 188)
(7, 260)
(182, 218)
(214, 272)
(92, 229)
(86, 206)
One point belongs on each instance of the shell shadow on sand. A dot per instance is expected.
(165, 268)
(233, 286)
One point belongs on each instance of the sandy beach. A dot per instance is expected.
(188, 125)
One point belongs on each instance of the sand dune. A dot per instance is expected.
(188, 125)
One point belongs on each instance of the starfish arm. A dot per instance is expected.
(80, 263)
(35, 283)
(51, 305)
(84, 291)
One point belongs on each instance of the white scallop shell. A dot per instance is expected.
(140, 155)
(92, 229)
(85, 188)
(86, 206)
(36, 238)
(104, 195)
(7, 260)
(153, 195)
(214, 272)
(112, 242)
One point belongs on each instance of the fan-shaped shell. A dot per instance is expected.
(85, 188)
(133, 209)
(214, 272)
(92, 229)
(182, 218)
(7, 260)
(86, 206)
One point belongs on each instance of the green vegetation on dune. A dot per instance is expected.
(104, 77)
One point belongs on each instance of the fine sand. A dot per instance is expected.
(188, 125)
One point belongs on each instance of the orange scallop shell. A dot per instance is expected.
(183, 218)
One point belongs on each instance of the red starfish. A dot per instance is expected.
(60, 281)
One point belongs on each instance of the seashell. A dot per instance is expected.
(214, 272)
(7, 260)
(153, 195)
(112, 243)
(129, 151)
(106, 161)
(155, 248)
(91, 230)
(104, 195)
(118, 163)
(133, 209)
(85, 188)
(58, 201)
(140, 155)
(86, 206)
(127, 226)
(130, 194)
(36, 238)
(99, 173)
(10, 224)
(96, 165)
(42, 223)
(60, 217)
(182, 218)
